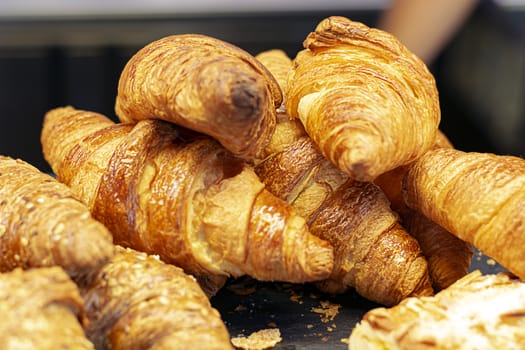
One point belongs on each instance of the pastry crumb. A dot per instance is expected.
(328, 311)
(260, 340)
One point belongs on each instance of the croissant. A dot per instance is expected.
(278, 63)
(42, 224)
(41, 309)
(372, 253)
(287, 129)
(139, 302)
(187, 200)
(367, 102)
(448, 257)
(478, 197)
(204, 84)
(476, 312)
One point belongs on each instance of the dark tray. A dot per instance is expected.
(247, 306)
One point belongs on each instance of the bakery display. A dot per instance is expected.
(325, 173)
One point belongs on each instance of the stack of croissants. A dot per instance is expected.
(326, 168)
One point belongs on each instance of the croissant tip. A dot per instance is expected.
(320, 258)
(246, 100)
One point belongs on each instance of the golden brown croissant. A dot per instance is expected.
(391, 182)
(278, 63)
(367, 102)
(41, 309)
(287, 129)
(43, 224)
(204, 84)
(295, 170)
(448, 257)
(479, 197)
(139, 302)
(476, 312)
(372, 252)
(188, 200)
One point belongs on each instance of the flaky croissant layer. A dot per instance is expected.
(366, 101)
(43, 224)
(479, 197)
(183, 197)
(41, 309)
(204, 84)
(139, 302)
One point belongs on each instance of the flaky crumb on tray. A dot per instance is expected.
(328, 311)
(260, 340)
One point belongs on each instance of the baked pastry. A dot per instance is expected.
(476, 312)
(448, 257)
(186, 199)
(368, 102)
(43, 224)
(204, 84)
(478, 197)
(139, 302)
(372, 253)
(41, 309)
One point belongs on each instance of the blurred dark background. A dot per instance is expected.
(75, 59)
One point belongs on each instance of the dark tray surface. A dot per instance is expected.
(247, 306)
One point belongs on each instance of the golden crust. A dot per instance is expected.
(476, 312)
(185, 198)
(41, 309)
(372, 252)
(478, 197)
(448, 256)
(366, 101)
(204, 84)
(43, 224)
(138, 302)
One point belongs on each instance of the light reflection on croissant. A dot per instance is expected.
(184, 198)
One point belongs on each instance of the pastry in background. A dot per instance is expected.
(478, 311)
(43, 224)
(41, 309)
(139, 302)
